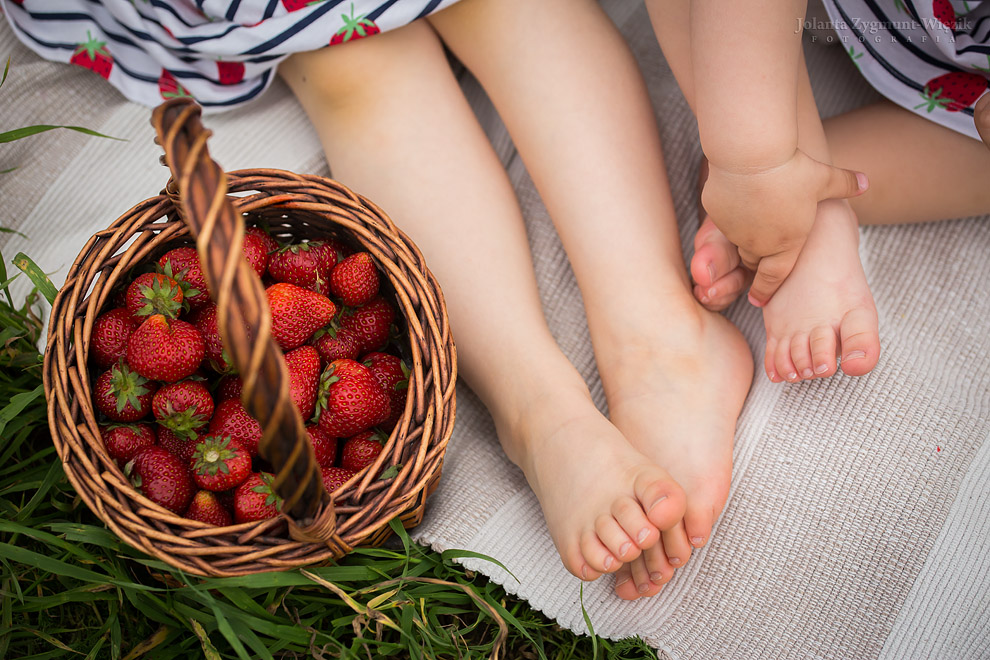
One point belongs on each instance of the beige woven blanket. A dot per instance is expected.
(858, 525)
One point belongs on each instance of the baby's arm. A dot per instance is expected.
(762, 190)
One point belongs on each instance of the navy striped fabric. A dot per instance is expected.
(929, 56)
(221, 52)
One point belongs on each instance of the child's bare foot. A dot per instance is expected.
(603, 500)
(824, 309)
(676, 398)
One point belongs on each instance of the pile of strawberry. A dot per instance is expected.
(170, 400)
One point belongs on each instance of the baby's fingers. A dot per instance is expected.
(770, 274)
(838, 183)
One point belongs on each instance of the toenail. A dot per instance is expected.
(711, 274)
(854, 355)
(807, 373)
(654, 505)
(822, 368)
(712, 292)
(584, 572)
(619, 583)
(643, 588)
(704, 300)
(608, 562)
(674, 561)
(656, 577)
(624, 548)
(772, 375)
(643, 534)
(696, 540)
(792, 376)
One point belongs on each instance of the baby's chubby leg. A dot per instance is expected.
(675, 376)
(396, 127)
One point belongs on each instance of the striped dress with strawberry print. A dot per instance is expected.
(929, 56)
(221, 52)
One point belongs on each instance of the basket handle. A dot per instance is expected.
(244, 318)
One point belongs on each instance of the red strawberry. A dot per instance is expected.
(183, 407)
(254, 499)
(256, 252)
(169, 87)
(335, 343)
(324, 445)
(219, 463)
(945, 13)
(182, 265)
(297, 313)
(92, 54)
(108, 343)
(350, 399)
(296, 5)
(123, 442)
(205, 321)
(231, 419)
(230, 388)
(294, 264)
(953, 91)
(355, 27)
(335, 477)
(230, 73)
(206, 507)
(165, 350)
(361, 450)
(393, 376)
(122, 394)
(153, 293)
(370, 323)
(180, 446)
(329, 252)
(355, 279)
(271, 245)
(162, 478)
(304, 376)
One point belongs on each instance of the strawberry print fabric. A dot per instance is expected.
(221, 52)
(929, 56)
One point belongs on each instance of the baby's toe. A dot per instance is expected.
(822, 342)
(714, 256)
(658, 567)
(625, 587)
(596, 554)
(860, 339)
(801, 356)
(662, 499)
(677, 548)
(613, 537)
(725, 291)
(629, 514)
(770, 360)
(645, 587)
(785, 367)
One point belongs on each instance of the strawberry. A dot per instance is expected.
(92, 54)
(335, 343)
(271, 245)
(232, 420)
(230, 73)
(297, 313)
(304, 375)
(371, 323)
(153, 293)
(350, 399)
(182, 265)
(162, 478)
(393, 375)
(183, 406)
(108, 343)
(180, 446)
(335, 477)
(296, 5)
(169, 87)
(945, 13)
(355, 27)
(324, 445)
(294, 264)
(953, 91)
(361, 450)
(122, 394)
(355, 280)
(329, 252)
(230, 388)
(219, 463)
(206, 507)
(256, 252)
(254, 499)
(205, 321)
(124, 441)
(165, 350)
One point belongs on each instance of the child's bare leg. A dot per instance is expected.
(396, 127)
(675, 376)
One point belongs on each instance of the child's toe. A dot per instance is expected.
(822, 342)
(625, 587)
(860, 341)
(613, 537)
(676, 547)
(770, 361)
(629, 514)
(596, 554)
(714, 256)
(698, 526)
(662, 499)
(645, 587)
(576, 564)
(658, 567)
(782, 359)
(801, 356)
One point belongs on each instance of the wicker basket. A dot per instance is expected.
(195, 205)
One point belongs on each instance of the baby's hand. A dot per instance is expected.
(768, 212)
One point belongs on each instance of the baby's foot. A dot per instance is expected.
(603, 501)
(718, 274)
(824, 308)
(677, 399)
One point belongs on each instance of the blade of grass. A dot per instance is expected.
(38, 277)
(27, 131)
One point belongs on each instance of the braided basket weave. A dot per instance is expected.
(196, 206)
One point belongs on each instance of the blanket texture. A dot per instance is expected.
(858, 523)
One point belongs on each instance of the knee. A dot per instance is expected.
(981, 115)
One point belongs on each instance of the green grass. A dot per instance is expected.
(69, 588)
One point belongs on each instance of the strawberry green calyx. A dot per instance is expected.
(265, 488)
(184, 423)
(212, 455)
(127, 386)
(188, 290)
(159, 298)
(92, 46)
(934, 100)
(355, 25)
